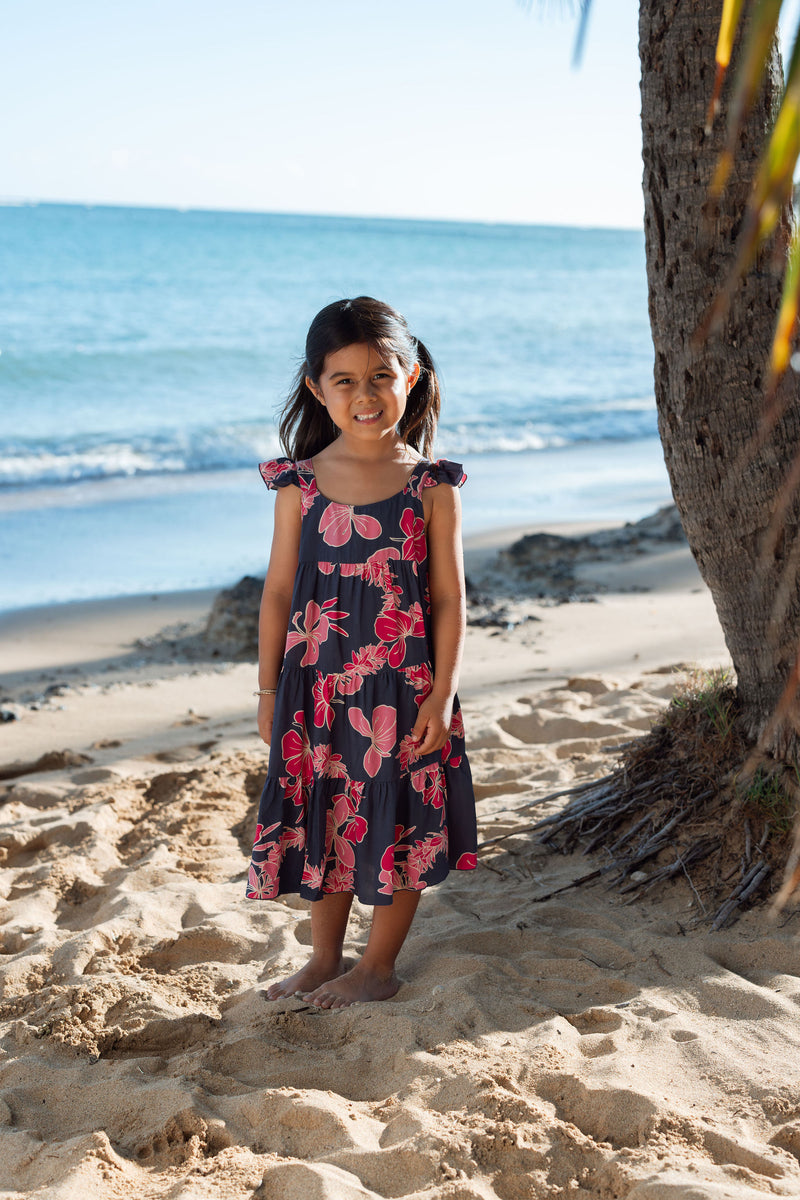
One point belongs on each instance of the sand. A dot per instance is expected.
(575, 1047)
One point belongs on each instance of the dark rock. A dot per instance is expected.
(232, 628)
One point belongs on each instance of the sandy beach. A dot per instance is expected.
(581, 1046)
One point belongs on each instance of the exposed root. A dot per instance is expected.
(679, 804)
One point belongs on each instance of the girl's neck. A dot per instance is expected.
(369, 453)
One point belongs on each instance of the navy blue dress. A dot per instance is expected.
(348, 804)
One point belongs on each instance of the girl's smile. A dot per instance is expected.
(363, 390)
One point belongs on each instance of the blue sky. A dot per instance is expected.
(461, 109)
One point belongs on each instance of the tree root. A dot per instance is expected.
(678, 805)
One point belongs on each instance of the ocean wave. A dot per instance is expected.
(44, 462)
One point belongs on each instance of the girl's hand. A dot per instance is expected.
(266, 711)
(432, 726)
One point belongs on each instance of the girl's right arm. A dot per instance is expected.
(276, 600)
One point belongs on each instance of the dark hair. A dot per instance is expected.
(305, 427)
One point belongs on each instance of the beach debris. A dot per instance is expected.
(53, 760)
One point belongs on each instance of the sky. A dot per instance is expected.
(445, 109)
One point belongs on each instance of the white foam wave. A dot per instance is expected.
(232, 447)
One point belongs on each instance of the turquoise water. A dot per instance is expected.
(145, 353)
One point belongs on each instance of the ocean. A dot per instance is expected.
(145, 353)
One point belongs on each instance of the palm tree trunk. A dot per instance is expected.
(710, 397)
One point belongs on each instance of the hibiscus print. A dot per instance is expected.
(429, 783)
(328, 765)
(376, 570)
(366, 661)
(323, 690)
(296, 751)
(467, 861)
(308, 493)
(273, 470)
(318, 623)
(338, 522)
(415, 547)
(394, 626)
(421, 679)
(312, 876)
(387, 874)
(422, 856)
(407, 752)
(381, 732)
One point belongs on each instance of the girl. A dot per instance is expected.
(368, 791)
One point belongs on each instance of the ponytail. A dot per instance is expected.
(418, 423)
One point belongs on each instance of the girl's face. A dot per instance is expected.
(364, 392)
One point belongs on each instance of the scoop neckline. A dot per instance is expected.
(370, 503)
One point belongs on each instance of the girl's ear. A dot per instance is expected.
(312, 387)
(413, 376)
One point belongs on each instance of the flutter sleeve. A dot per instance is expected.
(279, 472)
(444, 471)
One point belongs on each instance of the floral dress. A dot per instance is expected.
(348, 805)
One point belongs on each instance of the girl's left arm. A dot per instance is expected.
(448, 616)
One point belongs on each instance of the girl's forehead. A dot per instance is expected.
(358, 359)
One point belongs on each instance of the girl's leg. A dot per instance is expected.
(373, 977)
(328, 924)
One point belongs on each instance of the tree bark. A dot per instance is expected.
(710, 397)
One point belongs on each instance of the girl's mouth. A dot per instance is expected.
(369, 418)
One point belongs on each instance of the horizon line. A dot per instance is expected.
(34, 202)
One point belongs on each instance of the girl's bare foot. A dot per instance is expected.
(353, 987)
(318, 970)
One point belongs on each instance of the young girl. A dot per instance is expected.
(368, 791)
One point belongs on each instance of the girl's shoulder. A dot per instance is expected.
(281, 472)
(442, 471)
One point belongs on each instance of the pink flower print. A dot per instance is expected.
(467, 861)
(339, 520)
(312, 876)
(415, 548)
(387, 874)
(308, 493)
(340, 879)
(457, 725)
(376, 569)
(260, 884)
(394, 625)
(292, 839)
(408, 751)
(422, 856)
(355, 792)
(296, 750)
(328, 765)
(323, 691)
(366, 661)
(429, 783)
(327, 568)
(318, 624)
(420, 679)
(381, 733)
(270, 471)
(416, 484)
(293, 789)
